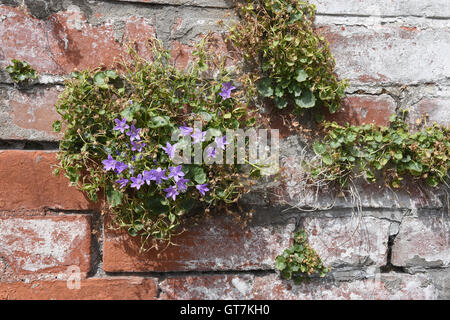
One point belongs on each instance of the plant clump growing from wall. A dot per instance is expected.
(118, 129)
(395, 151)
(300, 260)
(290, 62)
(21, 72)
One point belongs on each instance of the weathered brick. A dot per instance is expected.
(364, 109)
(117, 288)
(422, 241)
(392, 286)
(437, 109)
(66, 41)
(208, 287)
(195, 3)
(45, 244)
(348, 241)
(27, 182)
(429, 8)
(214, 244)
(28, 114)
(388, 53)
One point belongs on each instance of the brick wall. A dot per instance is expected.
(395, 54)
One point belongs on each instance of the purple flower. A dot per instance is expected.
(202, 188)
(120, 166)
(211, 152)
(171, 192)
(226, 90)
(137, 146)
(130, 101)
(109, 164)
(123, 182)
(133, 133)
(176, 173)
(181, 184)
(221, 142)
(155, 175)
(185, 131)
(198, 136)
(137, 182)
(170, 150)
(121, 125)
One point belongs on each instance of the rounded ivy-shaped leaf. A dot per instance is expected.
(264, 87)
(306, 100)
(280, 103)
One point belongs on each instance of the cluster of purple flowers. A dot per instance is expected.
(159, 175)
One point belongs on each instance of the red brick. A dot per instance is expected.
(45, 244)
(214, 244)
(118, 288)
(25, 38)
(217, 287)
(27, 182)
(31, 114)
(66, 41)
(364, 109)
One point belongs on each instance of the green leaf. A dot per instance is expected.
(158, 122)
(264, 87)
(326, 158)
(306, 100)
(319, 148)
(100, 80)
(114, 197)
(111, 74)
(432, 181)
(280, 263)
(156, 204)
(301, 75)
(280, 103)
(56, 126)
(199, 175)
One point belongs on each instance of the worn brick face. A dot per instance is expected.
(28, 114)
(27, 182)
(117, 288)
(45, 244)
(423, 241)
(214, 244)
(365, 109)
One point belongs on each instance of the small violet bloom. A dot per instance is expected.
(227, 87)
(198, 136)
(155, 175)
(176, 173)
(170, 150)
(133, 133)
(109, 164)
(121, 125)
(171, 192)
(185, 131)
(120, 166)
(137, 182)
(211, 152)
(123, 182)
(137, 146)
(221, 142)
(202, 188)
(181, 184)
